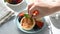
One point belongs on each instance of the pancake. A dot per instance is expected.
(27, 23)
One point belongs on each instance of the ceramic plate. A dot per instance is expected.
(33, 30)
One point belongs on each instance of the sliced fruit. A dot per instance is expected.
(36, 28)
(21, 14)
(20, 17)
(36, 12)
(18, 1)
(39, 24)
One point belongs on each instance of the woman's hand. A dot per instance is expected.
(42, 8)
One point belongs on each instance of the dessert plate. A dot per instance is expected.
(33, 30)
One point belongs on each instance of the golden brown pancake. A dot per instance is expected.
(27, 24)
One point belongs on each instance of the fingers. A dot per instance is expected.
(29, 6)
(31, 9)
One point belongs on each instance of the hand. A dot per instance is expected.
(40, 7)
(43, 8)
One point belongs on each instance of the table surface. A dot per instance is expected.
(10, 27)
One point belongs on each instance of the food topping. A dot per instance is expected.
(14, 1)
(36, 12)
(21, 14)
(39, 24)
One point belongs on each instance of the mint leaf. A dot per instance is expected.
(5, 0)
(26, 15)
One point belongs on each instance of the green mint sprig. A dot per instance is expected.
(5, 0)
(26, 16)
